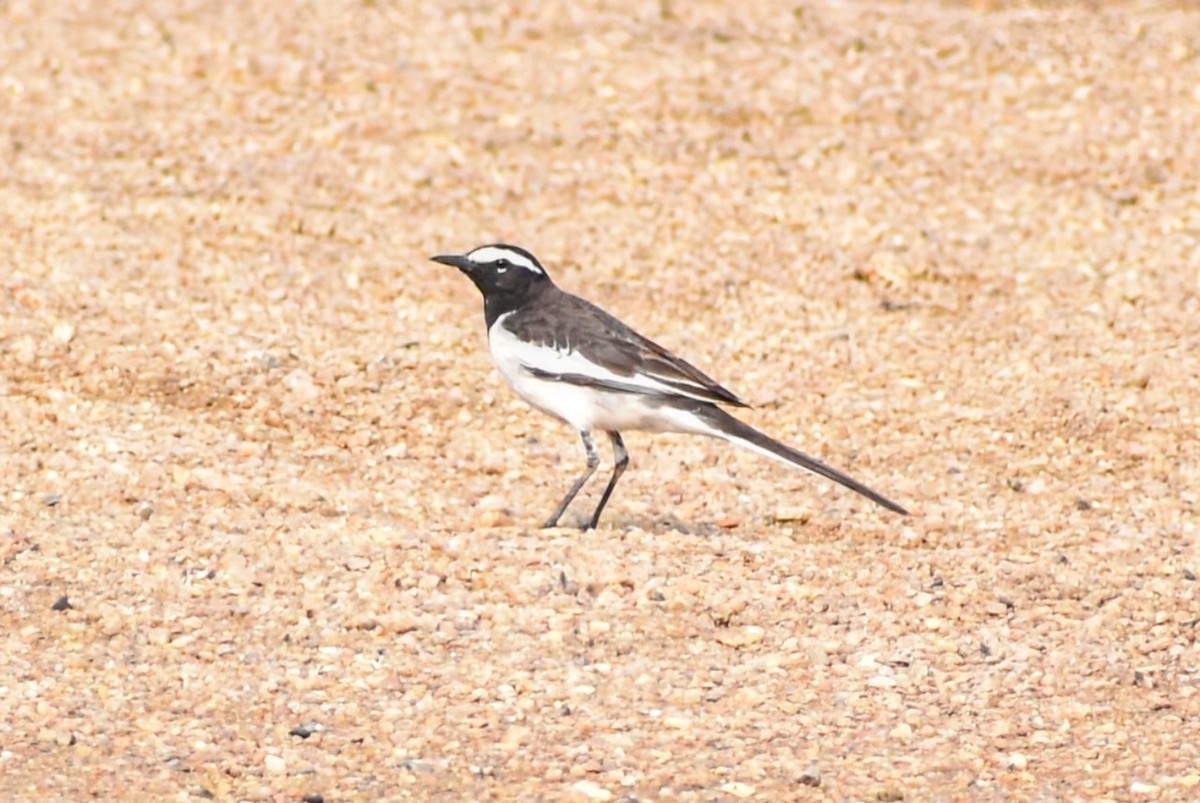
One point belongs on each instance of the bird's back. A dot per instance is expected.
(567, 322)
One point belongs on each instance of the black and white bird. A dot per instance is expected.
(574, 361)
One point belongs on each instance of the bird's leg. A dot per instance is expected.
(620, 462)
(593, 460)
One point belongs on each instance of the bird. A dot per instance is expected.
(572, 360)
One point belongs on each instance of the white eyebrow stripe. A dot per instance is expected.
(492, 253)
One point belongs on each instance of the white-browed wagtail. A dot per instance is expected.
(574, 361)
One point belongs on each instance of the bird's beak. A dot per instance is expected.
(454, 261)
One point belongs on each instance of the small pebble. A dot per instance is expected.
(305, 729)
(741, 636)
(300, 383)
(64, 332)
(591, 790)
(737, 789)
(809, 779)
(787, 515)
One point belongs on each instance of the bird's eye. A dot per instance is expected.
(501, 263)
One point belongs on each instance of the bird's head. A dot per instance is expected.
(498, 269)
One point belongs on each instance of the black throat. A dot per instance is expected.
(500, 300)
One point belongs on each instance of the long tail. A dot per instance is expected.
(726, 426)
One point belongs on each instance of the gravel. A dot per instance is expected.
(268, 518)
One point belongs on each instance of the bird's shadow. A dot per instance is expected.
(657, 523)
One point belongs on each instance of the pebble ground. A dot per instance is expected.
(268, 516)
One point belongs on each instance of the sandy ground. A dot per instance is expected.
(268, 517)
